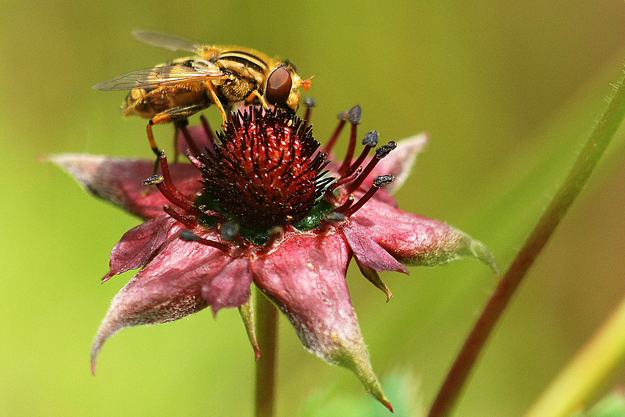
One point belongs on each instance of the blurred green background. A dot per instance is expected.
(508, 91)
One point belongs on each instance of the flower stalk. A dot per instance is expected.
(267, 325)
(584, 165)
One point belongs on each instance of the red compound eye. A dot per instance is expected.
(278, 86)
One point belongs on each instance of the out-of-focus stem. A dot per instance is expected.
(572, 186)
(267, 330)
(579, 380)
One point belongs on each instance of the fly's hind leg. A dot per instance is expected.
(153, 146)
(179, 116)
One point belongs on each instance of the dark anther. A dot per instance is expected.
(188, 235)
(229, 231)
(344, 115)
(383, 180)
(192, 237)
(382, 151)
(371, 139)
(354, 115)
(378, 182)
(309, 103)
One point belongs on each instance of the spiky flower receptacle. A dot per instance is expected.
(264, 204)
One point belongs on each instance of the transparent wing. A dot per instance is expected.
(171, 42)
(159, 76)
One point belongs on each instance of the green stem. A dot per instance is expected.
(267, 327)
(570, 189)
(579, 380)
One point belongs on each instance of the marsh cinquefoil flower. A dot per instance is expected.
(264, 204)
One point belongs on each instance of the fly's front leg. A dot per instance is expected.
(256, 95)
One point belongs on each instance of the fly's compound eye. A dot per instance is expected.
(278, 86)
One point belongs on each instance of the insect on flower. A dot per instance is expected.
(219, 75)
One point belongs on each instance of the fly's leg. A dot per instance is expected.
(153, 146)
(215, 99)
(179, 116)
(256, 95)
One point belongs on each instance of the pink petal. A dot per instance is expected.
(138, 245)
(231, 287)
(120, 181)
(417, 240)
(305, 278)
(367, 252)
(167, 289)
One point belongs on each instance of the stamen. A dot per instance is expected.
(380, 153)
(167, 188)
(354, 116)
(341, 181)
(193, 148)
(209, 134)
(169, 184)
(378, 182)
(309, 103)
(192, 237)
(346, 205)
(187, 221)
(370, 141)
(195, 162)
(167, 193)
(342, 119)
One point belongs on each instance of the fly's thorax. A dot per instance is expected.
(245, 63)
(236, 89)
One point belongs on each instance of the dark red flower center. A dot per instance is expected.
(266, 171)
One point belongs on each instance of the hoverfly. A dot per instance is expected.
(220, 75)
